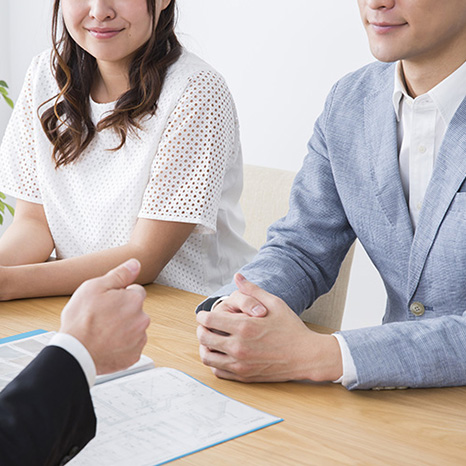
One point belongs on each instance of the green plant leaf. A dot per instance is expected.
(10, 209)
(1, 219)
(2, 196)
(9, 101)
(3, 91)
(2, 207)
(3, 84)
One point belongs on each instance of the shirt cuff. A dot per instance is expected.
(219, 300)
(350, 374)
(79, 352)
(210, 303)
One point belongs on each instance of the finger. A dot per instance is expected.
(250, 289)
(222, 365)
(223, 374)
(225, 322)
(211, 339)
(121, 276)
(137, 289)
(242, 302)
(214, 358)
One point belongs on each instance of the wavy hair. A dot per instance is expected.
(67, 123)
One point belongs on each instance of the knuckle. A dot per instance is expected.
(204, 318)
(240, 369)
(200, 333)
(203, 355)
(238, 351)
(247, 329)
(142, 292)
(89, 286)
(145, 320)
(216, 372)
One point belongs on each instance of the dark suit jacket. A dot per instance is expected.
(46, 413)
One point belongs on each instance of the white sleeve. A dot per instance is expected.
(349, 369)
(197, 146)
(18, 149)
(79, 352)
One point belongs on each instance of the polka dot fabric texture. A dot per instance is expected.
(183, 165)
(23, 131)
(197, 147)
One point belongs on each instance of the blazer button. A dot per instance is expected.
(417, 308)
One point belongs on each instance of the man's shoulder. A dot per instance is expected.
(369, 79)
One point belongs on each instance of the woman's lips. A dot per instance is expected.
(104, 33)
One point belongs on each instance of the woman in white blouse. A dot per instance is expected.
(127, 146)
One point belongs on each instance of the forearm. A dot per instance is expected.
(25, 242)
(430, 353)
(62, 277)
(304, 250)
(153, 243)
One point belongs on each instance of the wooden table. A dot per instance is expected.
(324, 423)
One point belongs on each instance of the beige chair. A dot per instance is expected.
(266, 192)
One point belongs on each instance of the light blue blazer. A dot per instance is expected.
(350, 186)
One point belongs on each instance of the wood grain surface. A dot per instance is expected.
(324, 424)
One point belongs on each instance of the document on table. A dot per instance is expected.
(18, 351)
(146, 416)
(160, 415)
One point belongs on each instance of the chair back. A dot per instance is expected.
(265, 197)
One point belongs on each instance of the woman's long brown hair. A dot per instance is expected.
(67, 123)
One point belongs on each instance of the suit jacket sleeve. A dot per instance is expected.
(332, 199)
(430, 353)
(46, 412)
(304, 250)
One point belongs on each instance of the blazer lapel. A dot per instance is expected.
(447, 177)
(381, 138)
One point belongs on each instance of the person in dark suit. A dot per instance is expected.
(46, 412)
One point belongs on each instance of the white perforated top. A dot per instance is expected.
(183, 165)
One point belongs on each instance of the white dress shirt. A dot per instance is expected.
(422, 123)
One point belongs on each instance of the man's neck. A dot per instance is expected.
(421, 76)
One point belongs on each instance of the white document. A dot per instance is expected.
(146, 416)
(17, 354)
(162, 414)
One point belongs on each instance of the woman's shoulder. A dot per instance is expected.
(40, 76)
(189, 67)
(42, 63)
(191, 73)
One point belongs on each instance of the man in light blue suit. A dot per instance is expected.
(386, 164)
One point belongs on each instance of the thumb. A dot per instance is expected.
(121, 276)
(250, 289)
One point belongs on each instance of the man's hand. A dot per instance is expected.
(253, 336)
(105, 314)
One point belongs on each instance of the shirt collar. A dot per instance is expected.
(447, 95)
(399, 90)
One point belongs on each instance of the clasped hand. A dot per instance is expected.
(253, 336)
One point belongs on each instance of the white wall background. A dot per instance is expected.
(280, 60)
